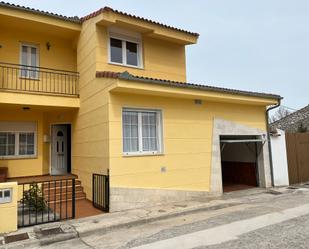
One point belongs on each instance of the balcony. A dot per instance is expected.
(40, 80)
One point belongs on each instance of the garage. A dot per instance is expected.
(239, 162)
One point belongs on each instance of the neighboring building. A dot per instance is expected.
(297, 121)
(107, 94)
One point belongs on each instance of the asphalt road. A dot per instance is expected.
(257, 221)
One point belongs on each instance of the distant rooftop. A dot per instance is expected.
(293, 121)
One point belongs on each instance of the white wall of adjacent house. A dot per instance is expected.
(280, 162)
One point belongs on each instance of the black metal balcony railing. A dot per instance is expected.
(16, 77)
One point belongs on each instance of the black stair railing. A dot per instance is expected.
(46, 201)
(100, 191)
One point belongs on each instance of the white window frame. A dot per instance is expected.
(159, 126)
(29, 45)
(126, 37)
(15, 129)
(6, 199)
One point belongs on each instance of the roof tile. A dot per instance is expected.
(128, 76)
(100, 11)
(76, 19)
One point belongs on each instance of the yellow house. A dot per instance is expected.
(107, 94)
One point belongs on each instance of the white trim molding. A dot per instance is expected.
(18, 128)
(159, 133)
(29, 63)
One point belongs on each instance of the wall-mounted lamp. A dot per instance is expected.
(48, 45)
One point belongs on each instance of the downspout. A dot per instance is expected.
(269, 142)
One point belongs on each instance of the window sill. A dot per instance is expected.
(17, 157)
(125, 65)
(142, 154)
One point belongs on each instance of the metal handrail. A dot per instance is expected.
(46, 68)
(18, 77)
(46, 201)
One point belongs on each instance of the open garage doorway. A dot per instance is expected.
(239, 162)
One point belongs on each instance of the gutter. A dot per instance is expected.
(269, 142)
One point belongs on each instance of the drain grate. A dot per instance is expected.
(272, 192)
(16, 237)
(291, 187)
(181, 205)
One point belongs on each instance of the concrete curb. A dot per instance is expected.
(110, 222)
(102, 224)
(58, 238)
(92, 228)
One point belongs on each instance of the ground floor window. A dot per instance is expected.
(17, 139)
(141, 131)
(7, 143)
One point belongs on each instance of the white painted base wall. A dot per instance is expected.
(280, 162)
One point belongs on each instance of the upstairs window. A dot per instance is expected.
(125, 51)
(29, 59)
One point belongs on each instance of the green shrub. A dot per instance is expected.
(34, 199)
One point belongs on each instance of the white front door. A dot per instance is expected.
(59, 150)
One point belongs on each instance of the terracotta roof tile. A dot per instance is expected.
(98, 12)
(128, 76)
(74, 19)
(107, 74)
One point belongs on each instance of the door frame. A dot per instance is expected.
(69, 143)
(257, 153)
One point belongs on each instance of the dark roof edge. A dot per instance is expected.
(74, 19)
(128, 76)
(106, 8)
(78, 20)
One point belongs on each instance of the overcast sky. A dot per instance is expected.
(259, 45)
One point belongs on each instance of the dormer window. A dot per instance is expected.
(125, 50)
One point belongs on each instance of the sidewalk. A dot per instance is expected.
(60, 231)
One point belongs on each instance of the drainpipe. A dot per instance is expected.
(269, 142)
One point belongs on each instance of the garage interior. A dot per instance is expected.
(239, 162)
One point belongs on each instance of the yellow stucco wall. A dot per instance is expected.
(162, 59)
(62, 54)
(187, 139)
(96, 121)
(8, 211)
(29, 166)
(44, 118)
(90, 145)
(148, 28)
